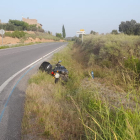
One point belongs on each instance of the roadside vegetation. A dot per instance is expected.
(18, 45)
(106, 107)
(41, 36)
(15, 34)
(4, 47)
(24, 36)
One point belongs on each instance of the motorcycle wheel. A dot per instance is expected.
(64, 78)
(56, 80)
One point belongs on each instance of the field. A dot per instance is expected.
(106, 107)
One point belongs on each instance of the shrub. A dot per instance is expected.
(117, 55)
(59, 35)
(133, 64)
(16, 25)
(15, 34)
(110, 48)
(10, 27)
(22, 24)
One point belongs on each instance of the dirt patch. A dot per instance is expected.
(62, 40)
(29, 32)
(9, 40)
(37, 40)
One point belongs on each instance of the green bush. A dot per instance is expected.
(16, 25)
(10, 27)
(15, 34)
(117, 55)
(109, 48)
(4, 47)
(59, 35)
(22, 24)
(133, 64)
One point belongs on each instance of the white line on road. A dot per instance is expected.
(13, 76)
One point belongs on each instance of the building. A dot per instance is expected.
(32, 21)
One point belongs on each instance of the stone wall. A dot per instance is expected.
(31, 22)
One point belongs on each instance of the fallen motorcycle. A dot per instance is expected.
(57, 71)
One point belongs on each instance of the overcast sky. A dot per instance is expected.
(101, 15)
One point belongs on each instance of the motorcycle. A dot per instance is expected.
(57, 71)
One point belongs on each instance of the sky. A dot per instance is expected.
(101, 16)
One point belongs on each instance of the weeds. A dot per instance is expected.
(40, 36)
(111, 54)
(19, 45)
(84, 108)
(15, 34)
(4, 47)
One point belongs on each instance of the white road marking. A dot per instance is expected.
(13, 76)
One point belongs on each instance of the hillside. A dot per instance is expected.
(17, 37)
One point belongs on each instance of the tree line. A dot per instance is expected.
(129, 28)
(16, 25)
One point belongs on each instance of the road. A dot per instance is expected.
(12, 89)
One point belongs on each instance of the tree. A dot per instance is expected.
(93, 32)
(59, 35)
(115, 32)
(63, 32)
(128, 27)
(137, 29)
(22, 24)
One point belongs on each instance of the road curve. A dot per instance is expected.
(13, 60)
(12, 97)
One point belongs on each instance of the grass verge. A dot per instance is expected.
(4, 47)
(19, 45)
(75, 110)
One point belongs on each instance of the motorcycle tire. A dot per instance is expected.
(64, 78)
(56, 80)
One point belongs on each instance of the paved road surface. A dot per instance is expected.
(13, 95)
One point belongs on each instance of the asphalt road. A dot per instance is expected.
(13, 95)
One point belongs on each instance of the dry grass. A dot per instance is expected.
(47, 114)
(40, 36)
(76, 110)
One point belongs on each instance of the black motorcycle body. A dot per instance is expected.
(57, 71)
